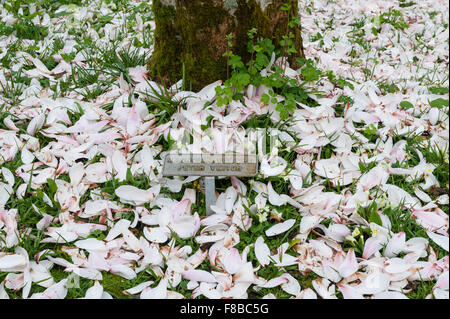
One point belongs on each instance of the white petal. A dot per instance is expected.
(396, 266)
(280, 228)
(137, 289)
(199, 275)
(440, 240)
(292, 286)
(123, 271)
(94, 292)
(159, 292)
(309, 222)
(262, 251)
(11, 261)
(155, 235)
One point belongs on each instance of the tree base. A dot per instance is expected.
(193, 33)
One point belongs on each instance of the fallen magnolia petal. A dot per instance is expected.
(440, 240)
(134, 195)
(94, 292)
(280, 228)
(262, 251)
(3, 293)
(11, 262)
(275, 282)
(155, 235)
(137, 289)
(372, 245)
(349, 266)
(198, 275)
(350, 292)
(159, 292)
(292, 286)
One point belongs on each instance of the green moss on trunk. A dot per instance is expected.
(193, 33)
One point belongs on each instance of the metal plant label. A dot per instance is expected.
(209, 166)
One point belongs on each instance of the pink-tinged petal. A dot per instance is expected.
(372, 245)
(275, 282)
(76, 173)
(88, 273)
(57, 291)
(213, 250)
(209, 91)
(92, 244)
(262, 251)
(280, 228)
(442, 281)
(307, 294)
(245, 274)
(238, 185)
(45, 221)
(395, 245)
(274, 198)
(159, 292)
(396, 266)
(349, 265)
(309, 222)
(350, 292)
(232, 261)
(376, 176)
(185, 227)
(94, 292)
(14, 281)
(337, 232)
(123, 271)
(430, 220)
(214, 219)
(12, 261)
(155, 235)
(330, 271)
(440, 240)
(274, 168)
(230, 199)
(198, 275)
(133, 122)
(321, 248)
(96, 261)
(120, 165)
(292, 286)
(118, 229)
(36, 124)
(10, 124)
(324, 289)
(374, 283)
(296, 179)
(181, 208)
(137, 289)
(138, 74)
(224, 280)
(134, 195)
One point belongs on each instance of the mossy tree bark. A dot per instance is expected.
(193, 33)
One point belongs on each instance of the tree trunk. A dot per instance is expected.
(193, 33)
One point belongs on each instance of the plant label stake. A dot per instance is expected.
(210, 166)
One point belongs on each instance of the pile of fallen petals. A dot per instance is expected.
(82, 191)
